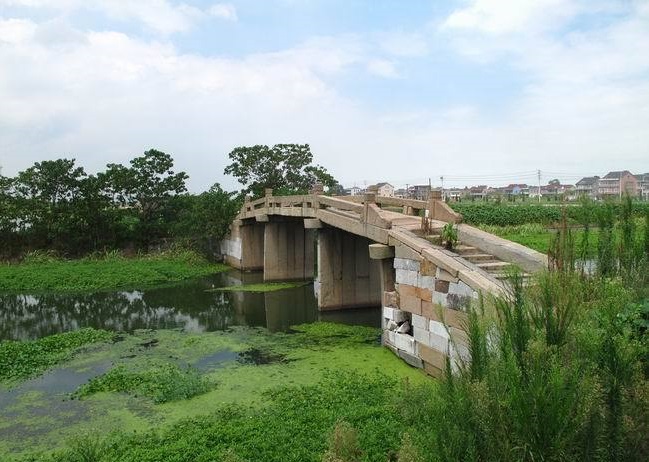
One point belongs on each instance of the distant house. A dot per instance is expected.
(587, 187)
(614, 184)
(643, 186)
(457, 194)
(401, 192)
(419, 192)
(353, 191)
(478, 192)
(385, 189)
(517, 190)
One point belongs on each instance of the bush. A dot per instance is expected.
(558, 377)
(161, 382)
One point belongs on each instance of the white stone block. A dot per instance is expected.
(403, 276)
(405, 342)
(461, 288)
(389, 336)
(395, 314)
(439, 342)
(438, 328)
(387, 312)
(426, 282)
(421, 335)
(440, 298)
(406, 264)
(460, 352)
(419, 322)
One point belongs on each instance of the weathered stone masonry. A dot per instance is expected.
(434, 302)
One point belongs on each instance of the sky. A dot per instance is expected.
(474, 91)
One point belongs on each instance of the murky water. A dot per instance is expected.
(41, 412)
(186, 305)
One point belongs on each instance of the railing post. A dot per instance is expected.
(316, 190)
(268, 193)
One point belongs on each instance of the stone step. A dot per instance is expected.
(504, 275)
(464, 250)
(493, 266)
(479, 257)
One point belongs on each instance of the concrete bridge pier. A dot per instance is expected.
(347, 277)
(289, 251)
(244, 249)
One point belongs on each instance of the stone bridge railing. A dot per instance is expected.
(367, 255)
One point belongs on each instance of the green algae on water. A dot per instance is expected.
(261, 287)
(307, 356)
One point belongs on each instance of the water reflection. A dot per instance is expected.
(186, 305)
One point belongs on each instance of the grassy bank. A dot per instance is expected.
(42, 273)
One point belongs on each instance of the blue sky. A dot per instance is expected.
(478, 91)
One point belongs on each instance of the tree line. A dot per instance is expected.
(56, 205)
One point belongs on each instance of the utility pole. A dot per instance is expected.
(442, 178)
(430, 187)
(620, 187)
(538, 177)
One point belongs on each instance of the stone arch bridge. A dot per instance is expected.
(380, 251)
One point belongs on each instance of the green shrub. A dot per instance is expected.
(343, 445)
(161, 382)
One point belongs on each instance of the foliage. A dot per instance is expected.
(556, 375)
(343, 444)
(101, 273)
(19, 360)
(54, 205)
(449, 236)
(204, 219)
(161, 382)
(285, 168)
(292, 427)
(520, 214)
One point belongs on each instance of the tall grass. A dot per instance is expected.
(560, 371)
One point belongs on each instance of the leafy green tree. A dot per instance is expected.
(205, 218)
(146, 187)
(286, 168)
(46, 195)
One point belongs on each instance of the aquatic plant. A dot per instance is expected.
(261, 287)
(19, 360)
(161, 382)
(105, 273)
(343, 444)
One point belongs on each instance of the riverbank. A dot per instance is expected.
(111, 271)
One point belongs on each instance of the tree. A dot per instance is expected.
(146, 187)
(46, 195)
(205, 218)
(286, 168)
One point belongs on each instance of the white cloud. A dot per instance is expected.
(409, 45)
(225, 11)
(106, 97)
(502, 17)
(161, 16)
(382, 68)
